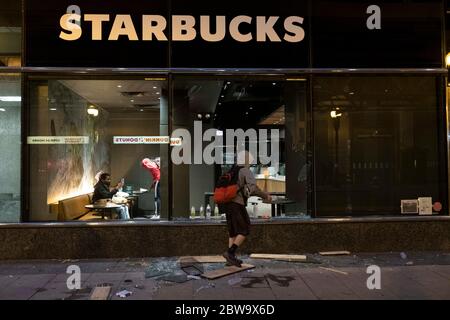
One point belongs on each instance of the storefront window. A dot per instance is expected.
(10, 33)
(10, 133)
(82, 128)
(272, 114)
(377, 142)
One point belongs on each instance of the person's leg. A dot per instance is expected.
(126, 213)
(231, 241)
(238, 231)
(158, 197)
(242, 228)
(239, 240)
(123, 212)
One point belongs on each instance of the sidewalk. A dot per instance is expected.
(424, 275)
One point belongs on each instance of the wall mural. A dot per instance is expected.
(72, 168)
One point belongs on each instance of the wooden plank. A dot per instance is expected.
(334, 270)
(281, 257)
(226, 271)
(202, 259)
(334, 253)
(100, 293)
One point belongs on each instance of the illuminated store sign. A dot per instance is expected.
(183, 27)
(146, 140)
(58, 140)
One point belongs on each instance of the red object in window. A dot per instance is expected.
(153, 168)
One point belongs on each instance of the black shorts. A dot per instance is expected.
(238, 220)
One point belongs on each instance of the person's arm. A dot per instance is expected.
(105, 193)
(250, 181)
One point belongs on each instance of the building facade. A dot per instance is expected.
(353, 95)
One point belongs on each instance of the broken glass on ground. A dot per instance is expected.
(234, 281)
(161, 267)
(174, 277)
(124, 293)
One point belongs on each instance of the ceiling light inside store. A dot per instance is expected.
(53, 109)
(447, 60)
(119, 86)
(11, 98)
(155, 87)
(334, 114)
(92, 110)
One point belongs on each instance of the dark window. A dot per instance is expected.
(376, 143)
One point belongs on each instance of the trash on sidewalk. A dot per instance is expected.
(234, 281)
(128, 281)
(191, 277)
(226, 271)
(403, 255)
(124, 293)
(251, 270)
(334, 253)
(100, 293)
(334, 270)
(280, 257)
(139, 286)
(409, 263)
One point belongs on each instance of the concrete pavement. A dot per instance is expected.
(411, 275)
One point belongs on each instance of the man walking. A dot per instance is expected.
(238, 220)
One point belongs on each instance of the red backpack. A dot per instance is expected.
(227, 186)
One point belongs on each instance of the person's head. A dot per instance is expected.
(158, 161)
(244, 158)
(105, 178)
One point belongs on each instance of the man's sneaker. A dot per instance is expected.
(227, 264)
(231, 259)
(155, 217)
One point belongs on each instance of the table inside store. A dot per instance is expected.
(133, 199)
(106, 208)
(278, 206)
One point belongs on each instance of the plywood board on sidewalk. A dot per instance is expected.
(281, 257)
(334, 253)
(202, 259)
(226, 271)
(100, 293)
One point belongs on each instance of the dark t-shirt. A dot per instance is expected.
(101, 191)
